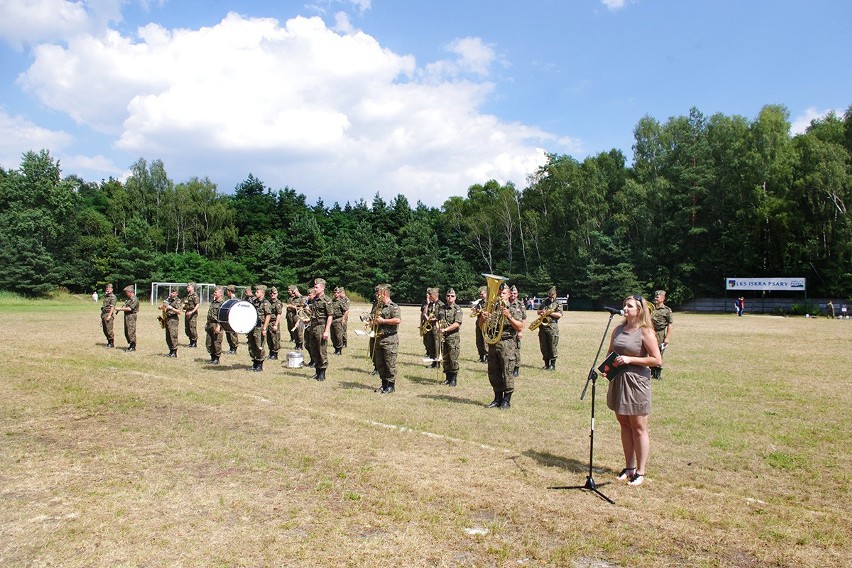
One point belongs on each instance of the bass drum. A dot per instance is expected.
(237, 316)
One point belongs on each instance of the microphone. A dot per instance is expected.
(614, 311)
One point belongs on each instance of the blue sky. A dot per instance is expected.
(343, 99)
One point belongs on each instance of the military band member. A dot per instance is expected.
(387, 341)
(345, 298)
(172, 308)
(319, 331)
(257, 336)
(130, 309)
(273, 334)
(340, 315)
(232, 336)
(662, 322)
(294, 325)
(190, 317)
(213, 341)
(450, 320)
(306, 326)
(548, 333)
(108, 316)
(481, 347)
(428, 317)
(513, 298)
(378, 299)
(501, 354)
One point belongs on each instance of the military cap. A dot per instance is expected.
(451, 291)
(129, 288)
(231, 288)
(433, 290)
(108, 285)
(190, 284)
(273, 290)
(338, 289)
(514, 288)
(319, 281)
(261, 287)
(552, 290)
(660, 293)
(483, 288)
(503, 286)
(293, 287)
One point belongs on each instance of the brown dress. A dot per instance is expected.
(629, 392)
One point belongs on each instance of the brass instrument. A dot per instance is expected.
(429, 323)
(475, 308)
(543, 319)
(303, 316)
(492, 325)
(162, 317)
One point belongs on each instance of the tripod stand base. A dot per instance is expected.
(589, 486)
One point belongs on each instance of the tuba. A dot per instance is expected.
(492, 325)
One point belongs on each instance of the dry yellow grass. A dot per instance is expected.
(111, 458)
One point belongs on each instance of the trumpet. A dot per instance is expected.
(543, 319)
(162, 317)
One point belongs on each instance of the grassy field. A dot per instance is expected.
(135, 459)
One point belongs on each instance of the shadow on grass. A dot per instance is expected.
(453, 399)
(570, 464)
(350, 385)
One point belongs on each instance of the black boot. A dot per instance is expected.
(498, 398)
(506, 403)
(259, 367)
(110, 345)
(448, 379)
(320, 375)
(553, 364)
(515, 372)
(547, 364)
(273, 356)
(389, 388)
(383, 387)
(311, 364)
(453, 377)
(131, 347)
(214, 361)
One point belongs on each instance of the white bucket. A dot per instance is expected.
(294, 360)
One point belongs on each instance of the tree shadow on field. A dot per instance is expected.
(571, 464)
(453, 399)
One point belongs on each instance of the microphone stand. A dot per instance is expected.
(590, 484)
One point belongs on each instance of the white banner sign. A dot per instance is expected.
(779, 284)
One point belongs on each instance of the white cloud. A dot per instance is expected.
(18, 136)
(801, 123)
(328, 113)
(614, 5)
(27, 22)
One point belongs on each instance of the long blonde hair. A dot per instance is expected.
(644, 319)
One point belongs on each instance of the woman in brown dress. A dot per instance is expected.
(629, 393)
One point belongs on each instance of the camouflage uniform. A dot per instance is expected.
(232, 336)
(320, 312)
(430, 338)
(273, 334)
(387, 347)
(190, 321)
(339, 309)
(108, 318)
(256, 346)
(449, 314)
(294, 326)
(661, 318)
(214, 338)
(172, 323)
(501, 361)
(132, 309)
(548, 334)
(523, 310)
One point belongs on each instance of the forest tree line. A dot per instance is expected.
(705, 198)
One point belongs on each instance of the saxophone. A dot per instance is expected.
(162, 317)
(543, 319)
